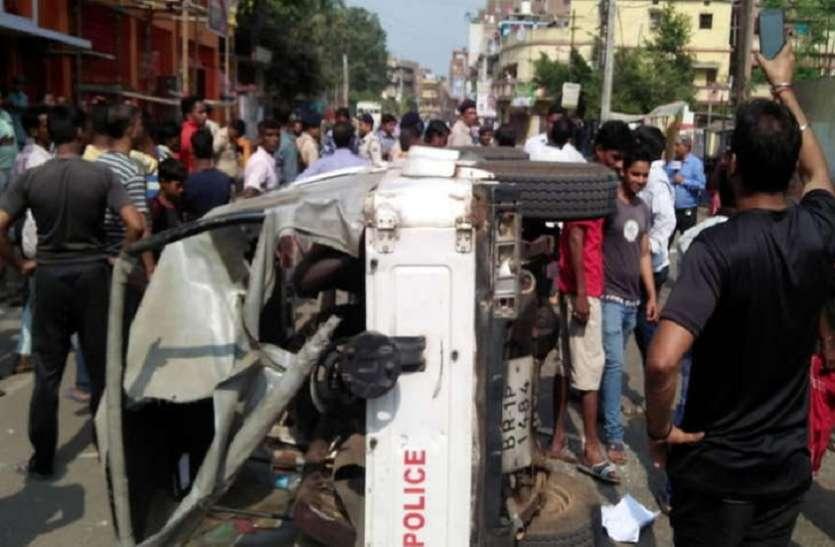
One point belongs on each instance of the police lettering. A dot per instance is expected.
(414, 496)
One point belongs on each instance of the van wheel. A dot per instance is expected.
(567, 517)
(558, 191)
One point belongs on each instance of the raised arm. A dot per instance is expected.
(780, 74)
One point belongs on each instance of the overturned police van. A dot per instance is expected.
(422, 380)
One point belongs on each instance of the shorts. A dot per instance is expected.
(582, 345)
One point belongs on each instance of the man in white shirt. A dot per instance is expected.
(462, 130)
(535, 143)
(212, 125)
(260, 174)
(35, 153)
(369, 147)
(660, 197)
(559, 148)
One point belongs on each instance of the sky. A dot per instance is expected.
(425, 31)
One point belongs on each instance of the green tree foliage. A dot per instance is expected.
(658, 72)
(398, 108)
(308, 38)
(551, 75)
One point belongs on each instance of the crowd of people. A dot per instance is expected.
(78, 183)
(740, 325)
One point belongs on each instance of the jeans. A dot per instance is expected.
(618, 324)
(82, 375)
(703, 520)
(71, 298)
(24, 344)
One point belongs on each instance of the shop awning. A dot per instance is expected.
(14, 24)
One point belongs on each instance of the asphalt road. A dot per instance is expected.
(73, 509)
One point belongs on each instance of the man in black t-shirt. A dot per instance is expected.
(207, 187)
(68, 198)
(747, 301)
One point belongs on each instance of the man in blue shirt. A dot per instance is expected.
(387, 135)
(287, 155)
(343, 115)
(687, 173)
(342, 158)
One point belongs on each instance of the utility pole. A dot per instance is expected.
(608, 62)
(571, 30)
(346, 84)
(744, 47)
(184, 68)
(227, 66)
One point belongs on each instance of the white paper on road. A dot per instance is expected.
(623, 522)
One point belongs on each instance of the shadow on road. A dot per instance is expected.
(42, 506)
(39, 508)
(818, 507)
(635, 437)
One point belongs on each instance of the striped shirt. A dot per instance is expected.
(132, 177)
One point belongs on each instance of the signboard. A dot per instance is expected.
(219, 17)
(524, 95)
(570, 95)
(262, 55)
(485, 100)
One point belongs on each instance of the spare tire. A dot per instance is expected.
(568, 515)
(491, 153)
(558, 191)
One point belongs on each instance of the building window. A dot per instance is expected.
(710, 76)
(654, 19)
(705, 21)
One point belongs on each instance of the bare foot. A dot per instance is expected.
(616, 453)
(592, 455)
(559, 451)
(77, 395)
(24, 364)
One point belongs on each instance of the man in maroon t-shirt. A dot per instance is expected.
(581, 286)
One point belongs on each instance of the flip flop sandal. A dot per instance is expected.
(604, 471)
(563, 455)
(632, 410)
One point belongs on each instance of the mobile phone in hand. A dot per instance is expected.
(772, 32)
